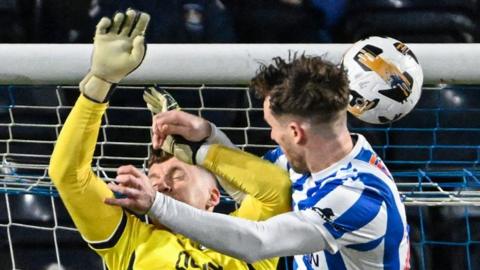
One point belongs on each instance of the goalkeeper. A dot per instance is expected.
(119, 237)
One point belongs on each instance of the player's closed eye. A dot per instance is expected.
(176, 174)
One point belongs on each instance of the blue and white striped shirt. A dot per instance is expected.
(356, 206)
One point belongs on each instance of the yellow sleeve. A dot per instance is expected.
(81, 190)
(267, 185)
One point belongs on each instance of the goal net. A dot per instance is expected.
(433, 152)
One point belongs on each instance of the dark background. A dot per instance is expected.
(247, 21)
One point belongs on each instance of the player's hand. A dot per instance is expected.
(190, 127)
(175, 132)
(119, 46)
(118, 49)
(136, 190)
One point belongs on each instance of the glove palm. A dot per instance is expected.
(118, 49)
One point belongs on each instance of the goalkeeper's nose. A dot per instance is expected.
(162, 186)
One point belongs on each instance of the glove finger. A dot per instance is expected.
(138, 50)
(169, 103)
(103, 25)
(118, 20)
(153, 102)
(168, 145)
(161, 99)
(140, 27)
(129, 20)
(152, 99)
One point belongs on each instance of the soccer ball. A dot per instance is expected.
(385, 79)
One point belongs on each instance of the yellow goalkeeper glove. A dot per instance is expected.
(158, 101)
(118, 49)
(182, 149)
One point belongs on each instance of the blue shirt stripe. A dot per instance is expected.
(366, 246)
(298, 184)
(335, 261)
(273, 155)
(318, 194)
(395, 226)
(362, 212)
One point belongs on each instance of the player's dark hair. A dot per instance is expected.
(309, 87)
(157, 156)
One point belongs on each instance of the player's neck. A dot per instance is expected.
(322, 153)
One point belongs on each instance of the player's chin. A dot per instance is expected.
(299, 167)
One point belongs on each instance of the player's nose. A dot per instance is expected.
(162, 186)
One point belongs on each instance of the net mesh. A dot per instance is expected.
(433, 153)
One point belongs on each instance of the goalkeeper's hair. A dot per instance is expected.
(304, 86)
(157, 156)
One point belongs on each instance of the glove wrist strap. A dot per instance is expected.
(96, 89)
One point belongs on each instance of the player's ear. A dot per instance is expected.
(214, 199)
(297, 132)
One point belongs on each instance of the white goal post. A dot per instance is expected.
(213, 63)
(434, 154)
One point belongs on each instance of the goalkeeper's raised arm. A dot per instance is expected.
(118, 50)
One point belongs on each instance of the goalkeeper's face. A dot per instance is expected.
(187, 183)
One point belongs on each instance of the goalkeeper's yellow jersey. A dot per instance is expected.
(123, 240)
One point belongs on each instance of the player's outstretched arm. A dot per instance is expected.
(283, 235)
(70, 164)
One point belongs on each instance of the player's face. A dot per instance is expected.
(181, 181)
(281, 133)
